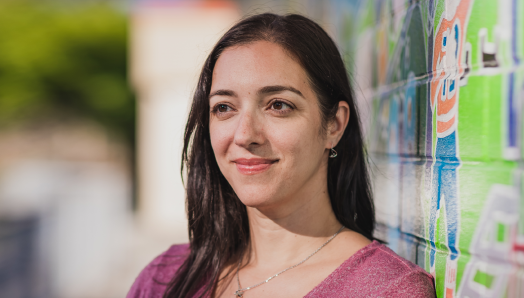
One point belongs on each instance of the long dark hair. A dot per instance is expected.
(218, 222)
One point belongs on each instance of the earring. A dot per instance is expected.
(333, 153)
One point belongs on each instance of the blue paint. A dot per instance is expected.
(512, 117)
(456, 40)
(512, 113)
(408, 137)
(394, 133)
(444, 187)
(514, 33)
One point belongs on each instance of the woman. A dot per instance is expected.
(278, 194)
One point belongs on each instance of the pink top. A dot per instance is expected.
(373, 271)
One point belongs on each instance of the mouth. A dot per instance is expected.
(252, 166)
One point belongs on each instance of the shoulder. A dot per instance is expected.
(377, 271)
(396, 276)
(153, 279)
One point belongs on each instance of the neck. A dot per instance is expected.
(287, 234)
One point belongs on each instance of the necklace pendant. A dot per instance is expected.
(239, 293)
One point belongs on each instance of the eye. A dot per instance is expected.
(279, 106)
(222, 108)
(223, 111)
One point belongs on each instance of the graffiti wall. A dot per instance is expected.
(441, 84)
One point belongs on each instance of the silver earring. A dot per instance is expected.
(333, 153)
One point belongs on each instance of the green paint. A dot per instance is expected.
(493, 113)
(440, 270)
(438, 13)
(463, 261)
(368, 21)
(441, 230)
(501, 232)
(476, 179)
(442, 250)
(470, 125)
(484, 279)
(424, 12)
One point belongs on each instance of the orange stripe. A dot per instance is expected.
(445, 126)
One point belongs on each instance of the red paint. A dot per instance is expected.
(518, 247)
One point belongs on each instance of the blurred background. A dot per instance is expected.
(94, 97)
(93, 103)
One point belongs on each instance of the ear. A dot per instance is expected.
(337, 126)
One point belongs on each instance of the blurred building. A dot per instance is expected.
(64, 210)
(66, 130)
(169, 42)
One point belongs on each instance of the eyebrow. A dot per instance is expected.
(261, 91)
(278, 88)
(223, 92)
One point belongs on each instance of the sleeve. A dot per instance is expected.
(154, 278)
(416, 284)
(144, 284)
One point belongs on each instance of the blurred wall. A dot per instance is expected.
(66, 148)
(169, 42)
(65, 212)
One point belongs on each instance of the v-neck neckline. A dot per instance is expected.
(346, 264)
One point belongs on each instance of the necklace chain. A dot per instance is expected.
(241, 291)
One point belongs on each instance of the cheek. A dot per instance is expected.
(289, 142)
(221, 137)
(297, 141)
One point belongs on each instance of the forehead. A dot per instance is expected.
(258, 64)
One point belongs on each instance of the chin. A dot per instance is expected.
(256, 197)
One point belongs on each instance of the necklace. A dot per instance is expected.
(240, 292)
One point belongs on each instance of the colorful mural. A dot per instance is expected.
(441, 84)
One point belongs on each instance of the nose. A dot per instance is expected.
(250, 130)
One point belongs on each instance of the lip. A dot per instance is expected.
(252, 166)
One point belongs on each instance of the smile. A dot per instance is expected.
(253, 166)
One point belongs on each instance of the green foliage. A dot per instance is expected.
(65, 60)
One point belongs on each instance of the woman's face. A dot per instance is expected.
(265, 126)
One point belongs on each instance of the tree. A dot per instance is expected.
(65, 60)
